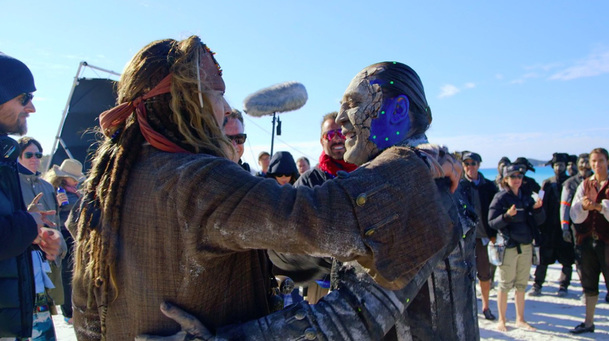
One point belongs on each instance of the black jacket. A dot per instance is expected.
(303, 268)
(551, 229)
(521, 228)
(486, 190)
(313, 177)
(17, 232)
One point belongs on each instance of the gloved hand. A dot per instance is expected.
(192, 329)
(566, 236)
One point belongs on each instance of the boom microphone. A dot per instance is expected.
(277, 98)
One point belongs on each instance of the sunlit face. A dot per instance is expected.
(29, 159)
(264, 161)
(235, 127)
(598, 163)
(335, 147)
(283, 179)
(70, 181)
(360, 104)
(471, 168)
(302, 166)
(571, 168)
(559, 167)
(13, 115)
(583, 164)
(514, 181)
(215, 88)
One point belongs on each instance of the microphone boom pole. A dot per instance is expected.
(273, 133)
(275, 99)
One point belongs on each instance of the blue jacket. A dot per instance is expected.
(17, 232)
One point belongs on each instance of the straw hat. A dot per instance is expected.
(70, 168)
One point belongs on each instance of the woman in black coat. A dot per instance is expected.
(515, 216)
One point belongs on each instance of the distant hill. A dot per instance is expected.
(537, 163)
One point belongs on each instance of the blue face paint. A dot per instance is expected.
(392, 123)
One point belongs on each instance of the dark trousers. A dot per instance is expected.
(67, 267)
(594, 261)
(549, 255)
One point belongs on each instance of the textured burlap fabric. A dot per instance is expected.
(193, 225)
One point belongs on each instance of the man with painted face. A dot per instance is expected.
(392, 93)
(553, 247)
(385, 106)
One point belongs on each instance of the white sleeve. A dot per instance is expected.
(577, 212)
(605, 208)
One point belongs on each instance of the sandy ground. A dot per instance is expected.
(552, 316)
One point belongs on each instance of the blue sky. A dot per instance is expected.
(517, 78)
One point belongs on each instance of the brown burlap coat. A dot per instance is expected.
(193, 227)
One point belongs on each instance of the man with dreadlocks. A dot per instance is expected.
(168, 216)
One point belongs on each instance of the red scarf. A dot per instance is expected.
(110, 119)
(331, 166)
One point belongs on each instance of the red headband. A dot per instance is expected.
(110, 119)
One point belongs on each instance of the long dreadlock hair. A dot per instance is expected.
(177, 115)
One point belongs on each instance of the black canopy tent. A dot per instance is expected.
(76, 135)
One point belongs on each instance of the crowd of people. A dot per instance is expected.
(385, 233)
(546, 223)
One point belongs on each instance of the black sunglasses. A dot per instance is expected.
(29, 155)
(516, 176)
(278, 175)
(26, 98)
(239, 138)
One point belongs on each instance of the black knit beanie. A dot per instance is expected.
(15, 78)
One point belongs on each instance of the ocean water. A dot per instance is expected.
(540, 174)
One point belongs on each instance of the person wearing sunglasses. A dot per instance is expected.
(479, 192)
(313, 273)
(33, 184)
(234, 129)
(22, 231)
(282, 168)
(516, 216)
(529, 185)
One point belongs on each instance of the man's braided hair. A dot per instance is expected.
(177, 115)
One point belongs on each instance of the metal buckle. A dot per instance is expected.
(594, 236)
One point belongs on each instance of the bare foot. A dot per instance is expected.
(501, 326)
(525, 326)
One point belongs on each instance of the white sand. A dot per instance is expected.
(551, 315)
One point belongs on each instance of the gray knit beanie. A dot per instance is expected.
(15, 78)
